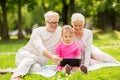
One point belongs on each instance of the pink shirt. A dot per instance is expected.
(67, 51)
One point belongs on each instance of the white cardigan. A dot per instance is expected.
(87, 40)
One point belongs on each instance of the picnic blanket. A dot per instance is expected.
(50, 70)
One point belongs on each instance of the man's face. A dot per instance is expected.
(52, 23)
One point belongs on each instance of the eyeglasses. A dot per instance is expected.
(52, 23)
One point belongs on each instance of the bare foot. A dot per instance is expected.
(83, 69)
(3, 71)
(68, 69)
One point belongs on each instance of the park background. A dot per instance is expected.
(19, 17)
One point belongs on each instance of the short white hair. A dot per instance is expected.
(77, 16)
(50, 14)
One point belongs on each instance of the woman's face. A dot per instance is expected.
(77, 26)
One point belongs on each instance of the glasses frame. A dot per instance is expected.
(51, 23)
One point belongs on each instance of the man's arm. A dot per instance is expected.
(52, 57)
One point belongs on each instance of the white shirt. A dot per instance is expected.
(41, 40)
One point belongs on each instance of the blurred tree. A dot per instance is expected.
(103, 13)
(106, 14)
(0, 23)
(14, 11)
(65, 11)
(20, 34)
(68, 9)
(72, 6)
(38, 13)
(4, 23)
(30, 6)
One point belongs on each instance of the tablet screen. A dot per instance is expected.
(71, 62)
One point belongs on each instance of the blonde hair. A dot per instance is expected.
(67, 29)
(77, 16)
(50, 14)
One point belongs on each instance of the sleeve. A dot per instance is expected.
(57, 51)
(87, 54)
(37, 41)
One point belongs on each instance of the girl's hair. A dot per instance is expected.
(67, 29)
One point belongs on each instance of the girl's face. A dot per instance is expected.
(77, 26)
(67, 37)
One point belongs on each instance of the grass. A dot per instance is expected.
(12, 45)
(108, 42)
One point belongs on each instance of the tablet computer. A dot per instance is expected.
(71, 62)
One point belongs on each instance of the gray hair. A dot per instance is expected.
(77, 16)
(50, 14)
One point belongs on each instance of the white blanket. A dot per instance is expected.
(50, 70)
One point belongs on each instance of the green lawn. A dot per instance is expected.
(12, 45)
(108, 42)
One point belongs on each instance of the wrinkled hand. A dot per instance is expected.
(56, 59)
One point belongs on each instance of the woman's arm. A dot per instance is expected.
(88, 49)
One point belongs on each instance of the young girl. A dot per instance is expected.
(68, 49)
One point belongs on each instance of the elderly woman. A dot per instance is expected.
(90, 54)
(40, 48)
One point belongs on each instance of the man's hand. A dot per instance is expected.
(56, 59)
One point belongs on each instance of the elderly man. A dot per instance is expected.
(40, 48)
